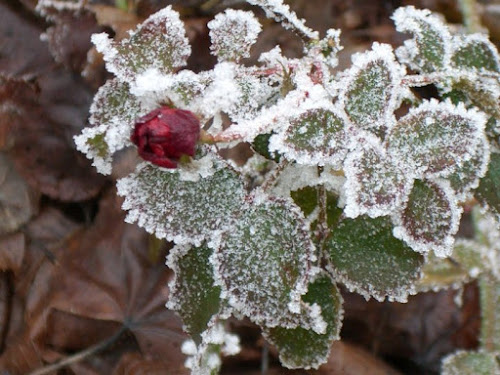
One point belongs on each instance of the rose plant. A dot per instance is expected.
(165, 135)
(354, 178)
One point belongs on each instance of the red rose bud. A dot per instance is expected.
(165, 135)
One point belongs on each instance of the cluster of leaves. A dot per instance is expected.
(339, 189)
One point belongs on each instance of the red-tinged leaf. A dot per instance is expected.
(436, 138)
(430, 219)
(375, 184)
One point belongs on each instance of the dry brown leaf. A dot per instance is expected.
(421, 331)
(69, 39)
(12, 249)
(17, 201)
(104, 274)
(135, 364)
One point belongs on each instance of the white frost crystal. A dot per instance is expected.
(233, 33)
(160, 42)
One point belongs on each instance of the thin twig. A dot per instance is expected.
(264, 366)
(274, 175)
(77, 357)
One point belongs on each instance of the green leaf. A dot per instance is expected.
(192, 292)
(436, 138)
(263, 264)
(183, 211)
(302, 348)
(261, 146)
(488, 192)
(112, 114)
(430, 219)
(475, 52)
(470, 363)
(430, 47)
(368, 259)
(158, 43)
(369, 97)
(316, 137)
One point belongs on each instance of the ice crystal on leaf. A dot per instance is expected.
(303, 348)
(375, 184)
(316, 137)
(436, 137)
(470, 363)
(205, 358)
(475, 52)
(263, 265)
(371, 89)
(430, 219)
(158, 43)
(281, 12)
(182, 211)
(192, 292)
(112, 115)
(466, 177)
(430, 49)
(232, 34)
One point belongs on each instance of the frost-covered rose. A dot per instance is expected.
(166, 134)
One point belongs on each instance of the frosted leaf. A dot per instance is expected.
(374, 185)
(233, 33)
(160, 43)
(182, 89)
(430, 48)
(192, 292)
(281, 13)
(329, 47)
(302, 348)
(430, 219)
(307, 96)
(254, 93)
(205, 359)
(113, 113)
(369, 92)
(470, 363)
(263, 262)
(482, 91)
(436, 138)
(475, 52)
(368, 259)
(467, 176)
(181, 211)
(315, 137)
(488, 191)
